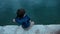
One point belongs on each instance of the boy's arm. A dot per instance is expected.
(18, 21)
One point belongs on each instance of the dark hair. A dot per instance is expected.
(19, 11)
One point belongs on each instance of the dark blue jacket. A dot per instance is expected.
(23, 21)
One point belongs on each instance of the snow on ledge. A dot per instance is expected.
(36, 29)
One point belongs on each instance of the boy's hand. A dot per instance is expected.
(13, 20)
(32, 22)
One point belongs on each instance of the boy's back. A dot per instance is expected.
(23, 21)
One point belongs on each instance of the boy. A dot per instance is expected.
(23, 19)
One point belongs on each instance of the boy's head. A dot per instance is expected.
(20, 13)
